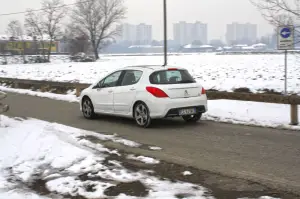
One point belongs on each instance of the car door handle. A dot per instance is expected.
(110, 91)
(132, 89)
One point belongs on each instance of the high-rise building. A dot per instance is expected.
(187, 33)
(136, 34)
(128, 32)
(143, 34)
(237, 33)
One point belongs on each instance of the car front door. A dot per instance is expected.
(125, 94)
(103, 94)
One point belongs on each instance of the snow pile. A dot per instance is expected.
(221, 72)
(187, 173)
(35, 153)
(144, 159)
(250, 113)
(155, 148)
(62, 97)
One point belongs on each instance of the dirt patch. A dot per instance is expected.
(220, 186)
(242, 90)
(39, 186)
(270, 91)
(135, 188)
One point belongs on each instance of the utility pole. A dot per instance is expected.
(285, 72)
(165, 35)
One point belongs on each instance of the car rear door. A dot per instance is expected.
(125, 94)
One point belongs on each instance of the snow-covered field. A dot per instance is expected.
(230, 111)
(42, 160)
(222, 72)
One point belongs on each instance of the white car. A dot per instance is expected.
(145, 93)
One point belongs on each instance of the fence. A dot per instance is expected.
(292, 100)
(3, 107)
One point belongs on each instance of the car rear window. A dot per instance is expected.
(171, 77)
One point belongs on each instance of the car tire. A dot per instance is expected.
(192, 118)
(141, 115)
(88, 108)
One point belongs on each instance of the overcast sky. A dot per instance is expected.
(216, 13)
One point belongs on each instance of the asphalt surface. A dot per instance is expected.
(264, 155)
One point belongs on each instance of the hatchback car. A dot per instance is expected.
(145, 93)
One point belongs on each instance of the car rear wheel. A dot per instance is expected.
(142, 115)
(88, 108)
(192, 118)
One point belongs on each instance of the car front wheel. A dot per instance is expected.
(88, 108)
(142, 115)
(192, 118)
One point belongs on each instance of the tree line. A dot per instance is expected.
(87, 25)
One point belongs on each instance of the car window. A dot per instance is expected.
(171, 77)
(131, 77)
(111, 80)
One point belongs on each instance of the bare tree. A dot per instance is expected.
(97, 18)
(34, 24)
(15, 30)
(55, 12)
(279, 12)
(48, 22)
(78, 40)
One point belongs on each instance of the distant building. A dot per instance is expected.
(140, 34)
(144, 34)
(128, 33)
(27, 44)
(187, 33)
(237, 33)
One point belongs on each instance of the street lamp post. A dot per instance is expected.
(165, 34)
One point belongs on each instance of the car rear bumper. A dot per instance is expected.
(175, 111)
(166, 107)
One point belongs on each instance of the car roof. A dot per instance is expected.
(151, 67)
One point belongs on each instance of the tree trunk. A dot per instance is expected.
(95, 51)
(24, 47)
(49, 50)
(43, 49)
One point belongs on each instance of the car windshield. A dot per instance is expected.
(179, 76)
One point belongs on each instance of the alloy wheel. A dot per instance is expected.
(87, 108)
(141, 115)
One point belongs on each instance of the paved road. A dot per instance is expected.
(265, 155)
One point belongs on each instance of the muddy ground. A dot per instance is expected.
(219, 186)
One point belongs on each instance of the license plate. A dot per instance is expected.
(189, 111)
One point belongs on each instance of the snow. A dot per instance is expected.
(69, 97)
(187, 173)
(33, 149)
(262, 197)
(147, 160)
(15, 194)
(26, 37)
(221, 72)
(250, 113)
(155, 148)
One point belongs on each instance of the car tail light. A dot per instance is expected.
(156, 92)
(203, 91)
